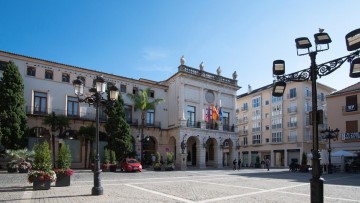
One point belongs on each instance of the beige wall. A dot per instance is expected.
(282, 152)
(338, 116)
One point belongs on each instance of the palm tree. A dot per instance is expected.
(142, 102)
(56, 123)
(87, 133)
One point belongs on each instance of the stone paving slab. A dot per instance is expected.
(248, 185)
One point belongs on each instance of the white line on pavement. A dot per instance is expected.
(334, 198)
(162, 194)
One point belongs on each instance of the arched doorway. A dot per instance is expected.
(192, 148)
(149, 148)
(210, 153)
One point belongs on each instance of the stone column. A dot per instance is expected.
(219, 157)
(201, 156)
(181, 102)
(272, 158)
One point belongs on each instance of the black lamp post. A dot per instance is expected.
(95, 98)
(330, 134)
(321, 38)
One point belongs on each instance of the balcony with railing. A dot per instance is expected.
(350, 108)
(292, 138)
(230, 128)
(276, 126)
(81, 115)
(84, 115)
(292, 124)
(193, 124)
(292, 109)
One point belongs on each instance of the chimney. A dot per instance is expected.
(249, 89)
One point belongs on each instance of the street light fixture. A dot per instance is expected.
(95, 98)
(321, 38)
(330, 134)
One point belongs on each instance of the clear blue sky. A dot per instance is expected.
(146, 38)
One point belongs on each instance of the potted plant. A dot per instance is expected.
(19, 160)
(105, 167)
(24, 166)
(169, 161)
(157, 164)
(41, 174)
(63, 171)
(113, 163)
(12, 166)
(304, 167)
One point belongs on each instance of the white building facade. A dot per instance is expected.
(185, 116)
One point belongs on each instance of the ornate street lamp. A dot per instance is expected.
(95, 98)
(330, 134)
(321, 38)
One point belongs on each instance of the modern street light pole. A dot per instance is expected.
(321, 38)
(96, 100)
(330, 134)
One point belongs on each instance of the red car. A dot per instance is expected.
(130, 165)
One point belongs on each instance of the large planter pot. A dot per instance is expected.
(62, 180)
(105, 167)
(41, 184)
(23, 170)
(12, 170)
(113, 168)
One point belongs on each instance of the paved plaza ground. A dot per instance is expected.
(246, 185)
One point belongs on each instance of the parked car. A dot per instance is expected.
(130, 165)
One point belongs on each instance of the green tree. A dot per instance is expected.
(42, 158)
(118, 130)
(143, 103)
(57, 122)
(12, 108)
(64, 157)
(87, 134)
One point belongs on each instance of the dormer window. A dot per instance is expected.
(49, 74)
(65, 77)
(31, 71)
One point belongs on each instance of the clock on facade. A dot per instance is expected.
(209, 96)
